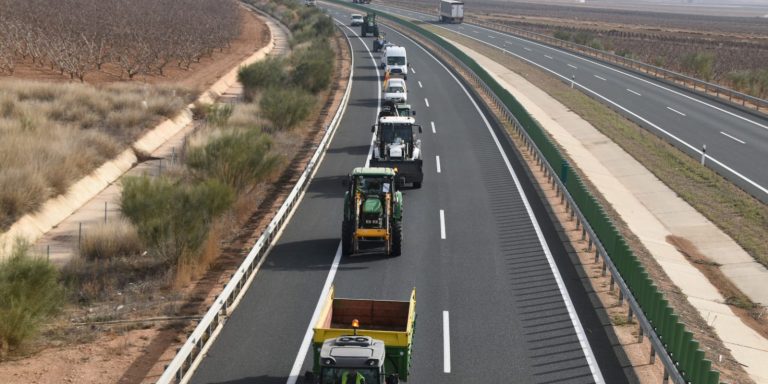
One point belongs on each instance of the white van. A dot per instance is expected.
(394, 60)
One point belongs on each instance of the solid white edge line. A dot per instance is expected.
(601, 78)
(619, 106)
(581, 335)
(739, 140)
(432, 123)
(299, 362)
(446, 343)
(426, 101)
(608, 67)
(631, 91)
(437, 160)
(442, 224)
(676, 111)
(420, 86)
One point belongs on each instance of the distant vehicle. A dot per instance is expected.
(395, 61)
(361, 1)
(451, 11)
(369, 26)
(310, 3)
(357, 19)
(396, 90)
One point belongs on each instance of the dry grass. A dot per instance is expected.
(53, 134)
(115, 239)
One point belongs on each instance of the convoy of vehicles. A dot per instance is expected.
(451, 11)
(366, 341)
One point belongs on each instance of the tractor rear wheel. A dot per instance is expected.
(397, 238)
(347, 233)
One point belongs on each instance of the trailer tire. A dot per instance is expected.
(397, 238)
(417, 184)
(347, 231)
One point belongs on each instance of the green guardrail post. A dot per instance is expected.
(564, 172)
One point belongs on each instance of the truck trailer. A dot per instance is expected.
(451, 11)
(360, 338)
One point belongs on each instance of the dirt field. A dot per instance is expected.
(67, 353)
(254, 35)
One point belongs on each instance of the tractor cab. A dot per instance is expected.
(372, 210)
(395, 138)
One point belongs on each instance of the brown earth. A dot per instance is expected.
(254, 34)
(100, 353)
(136, 352)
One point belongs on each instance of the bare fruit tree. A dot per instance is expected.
(75, 37)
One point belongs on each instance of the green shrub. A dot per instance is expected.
(596, 44)
(219, 114)
(238, 159)
(29, 295)
(754, 82)
(583, 37)
(286, 107)
(173, 217)
(700, 64)
(313, 67)
(562, 35)
(262, 74)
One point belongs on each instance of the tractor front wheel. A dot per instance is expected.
(347, 240)
(397, 238)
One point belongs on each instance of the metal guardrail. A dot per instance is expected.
(680, 355)
(719, 92)
(202, 336)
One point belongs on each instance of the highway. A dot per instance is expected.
(498, 299)
(736, 141)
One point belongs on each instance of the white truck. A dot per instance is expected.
(451, 11)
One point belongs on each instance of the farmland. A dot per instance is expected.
(731, 51)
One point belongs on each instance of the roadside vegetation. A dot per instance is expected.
(175, 225)
(30, 294)
(78, 37)
(54, 134)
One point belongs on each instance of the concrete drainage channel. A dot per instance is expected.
(200, 340)
(683, 361)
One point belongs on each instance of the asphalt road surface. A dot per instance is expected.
(498, 300)
(736, 141)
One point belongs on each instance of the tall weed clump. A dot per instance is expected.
(173, 217)
(30, 293)
(312, 67)
(262, 74)
(237, 159)
(286, 107)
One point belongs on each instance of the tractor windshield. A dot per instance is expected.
(349, 375)
(395, 60)
(373, 185)
(389, 132)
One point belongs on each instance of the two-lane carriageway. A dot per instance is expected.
(497, 296)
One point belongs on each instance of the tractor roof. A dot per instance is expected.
(397, 120)
(373, 171)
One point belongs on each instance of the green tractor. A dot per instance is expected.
(373, 211)
(369, 27)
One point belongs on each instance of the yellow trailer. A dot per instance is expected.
(371, 338)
